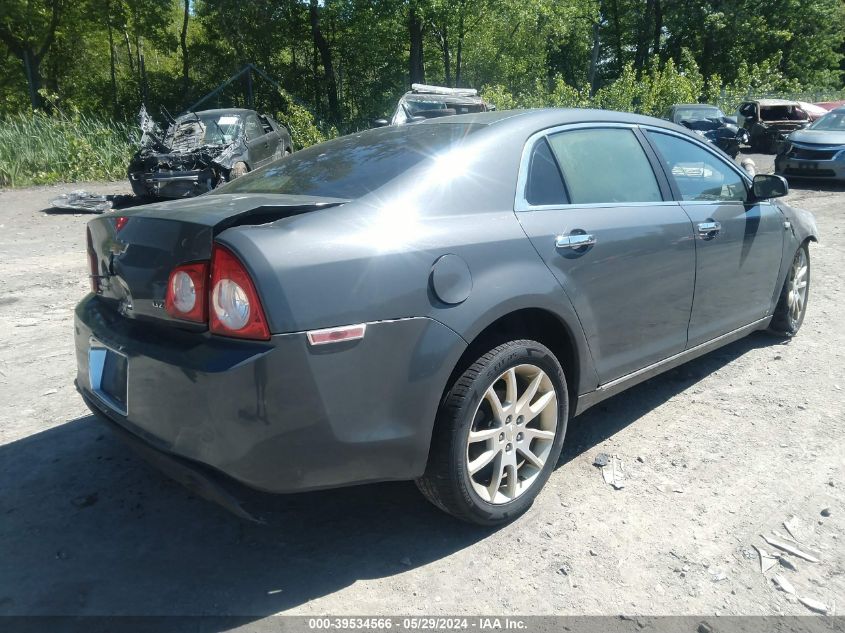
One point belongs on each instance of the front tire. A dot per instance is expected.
(498, 434)
(792, 304)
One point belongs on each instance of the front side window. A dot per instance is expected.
(604, 165)
(698, 174)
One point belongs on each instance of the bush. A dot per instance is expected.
(662, 86)
(40, 149)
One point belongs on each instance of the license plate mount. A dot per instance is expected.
(108, 373)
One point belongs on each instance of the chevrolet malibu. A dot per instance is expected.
(430, 302)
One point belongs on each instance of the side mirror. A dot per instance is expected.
(381, 122)
(767, 186)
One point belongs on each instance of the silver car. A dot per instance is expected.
(817, 151)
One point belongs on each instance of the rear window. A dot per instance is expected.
(352, 166)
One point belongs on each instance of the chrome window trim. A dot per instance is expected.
(521, 204)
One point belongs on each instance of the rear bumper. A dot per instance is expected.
(278, 416)
(800, 168)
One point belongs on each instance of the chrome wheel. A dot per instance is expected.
(512, 434)
(797, 291)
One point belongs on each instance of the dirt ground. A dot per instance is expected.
(717, 452)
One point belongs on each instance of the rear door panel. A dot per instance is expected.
(633, 289)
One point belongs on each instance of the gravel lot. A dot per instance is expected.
(717, 452)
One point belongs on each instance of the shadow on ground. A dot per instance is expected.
(88, 529)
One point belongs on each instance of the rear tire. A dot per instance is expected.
(488, 462)
(792, 304)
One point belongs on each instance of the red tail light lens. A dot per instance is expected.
(186, 292)
(235, 308)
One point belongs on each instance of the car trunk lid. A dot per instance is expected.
(133, 251)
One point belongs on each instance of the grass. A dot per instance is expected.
(40, 149)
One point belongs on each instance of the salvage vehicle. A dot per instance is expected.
(394, 305)
(711, 123)
(770, 121)
(817, 151)
(202, 150)
(427, 102)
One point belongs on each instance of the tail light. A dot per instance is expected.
(235, 309)
(93, 271)
(186, 292)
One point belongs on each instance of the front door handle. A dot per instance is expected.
(577, 240)
(709, 230)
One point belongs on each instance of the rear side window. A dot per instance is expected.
(698, 174)
(544, 184)
(604, 165)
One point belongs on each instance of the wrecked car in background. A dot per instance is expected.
(202, 150)
(817, 151)
(770, 121)
(711, 123)
(427, 102)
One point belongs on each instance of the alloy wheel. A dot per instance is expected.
(512, 434)
(797, 293)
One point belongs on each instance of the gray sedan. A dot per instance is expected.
(817, 151)
(430, 302)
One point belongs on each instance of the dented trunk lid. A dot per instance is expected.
(135, 249)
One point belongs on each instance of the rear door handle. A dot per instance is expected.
(577, 240)
(709, 230)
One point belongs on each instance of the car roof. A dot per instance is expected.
(218, 112)
(773, 102)
(541, 118)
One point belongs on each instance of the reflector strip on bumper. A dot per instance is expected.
(337, 334)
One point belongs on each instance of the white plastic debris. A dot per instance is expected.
(792, 549)
(796, 529)
(613, 473)
(767, 561)
(80, 200)
(814, 605)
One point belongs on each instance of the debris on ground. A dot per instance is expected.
(814, 605)
(601, 460)
(613, 473)
(791, 549)
(81, 200)
(825, 512)
(783, 584)
(796, 529)
(767, 561)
